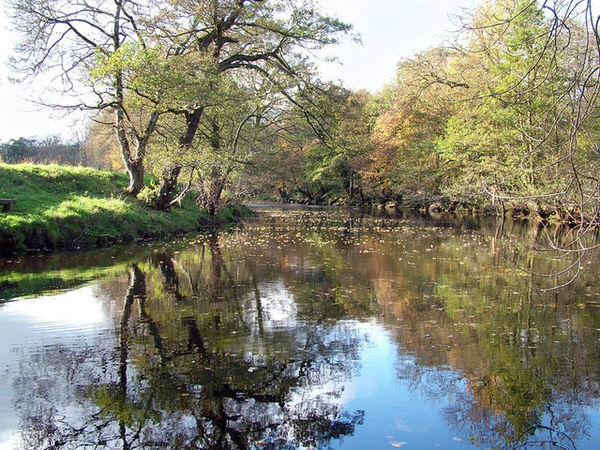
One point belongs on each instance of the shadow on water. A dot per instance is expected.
(251, 339)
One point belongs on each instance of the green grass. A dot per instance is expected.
(62, 207)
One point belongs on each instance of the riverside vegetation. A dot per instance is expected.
(223, 97)
(307, 327)
(62, 207)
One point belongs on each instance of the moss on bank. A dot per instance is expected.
(62, 207)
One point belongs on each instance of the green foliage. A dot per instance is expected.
(511, 140)
(490, 123)
(51, 149)
(411, 115)
(314, 158)
(18, 150)
(219, 94)
(72, 207)
(157, 69)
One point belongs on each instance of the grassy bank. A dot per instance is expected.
(62, 207)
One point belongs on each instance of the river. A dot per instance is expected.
(306, 328)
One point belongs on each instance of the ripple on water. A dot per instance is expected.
(46, 321)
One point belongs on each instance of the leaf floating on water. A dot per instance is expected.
(397, 444)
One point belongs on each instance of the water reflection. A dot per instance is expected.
(326, 329)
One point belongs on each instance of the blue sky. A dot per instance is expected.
(390, 30)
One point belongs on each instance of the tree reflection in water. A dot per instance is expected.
(193, 370)
(247, 340)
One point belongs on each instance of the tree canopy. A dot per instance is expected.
(222, 97)
(149, 61)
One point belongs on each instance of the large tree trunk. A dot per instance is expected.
(133, 165)
(284, 194)
(307, 194)
(166, 188)
(211, 198)
(214, 198)
(216, 189)
(168, 181)
(135, 170)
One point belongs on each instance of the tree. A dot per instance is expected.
(497, 141)
(528, 136)
(143, 61)
(72, 39)
(101, 146)
(339, 122)
(412, 113)
(17, 150)
(51, 149)
(230, 134)
(265, 37)
(317, 149)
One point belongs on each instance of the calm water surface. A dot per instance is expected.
(304, 329)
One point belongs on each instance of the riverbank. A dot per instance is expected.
(64, 207)
(434, 203)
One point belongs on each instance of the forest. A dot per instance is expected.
(156, 290)
(222, 100)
